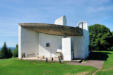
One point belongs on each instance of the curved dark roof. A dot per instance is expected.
(53, 29)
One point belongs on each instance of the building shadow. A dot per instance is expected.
(98, 56)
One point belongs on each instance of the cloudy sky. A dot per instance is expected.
(13, 12)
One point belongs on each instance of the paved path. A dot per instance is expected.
(95, 63)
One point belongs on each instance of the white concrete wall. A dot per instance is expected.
(28, 42)
(66, 48)
(85, 37)
(81, 43)
(53, 40)
(78, 47)
(31, 42)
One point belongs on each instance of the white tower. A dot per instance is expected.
(66, 41)
(61, 21)
(85, 38)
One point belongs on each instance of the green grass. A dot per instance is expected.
(108, 65)
(24, 67)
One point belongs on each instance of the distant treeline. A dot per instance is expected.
(12, 48)
(6, 52)
(101, 38)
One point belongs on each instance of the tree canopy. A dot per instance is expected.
(100, 37)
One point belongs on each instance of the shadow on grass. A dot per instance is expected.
(98, 56)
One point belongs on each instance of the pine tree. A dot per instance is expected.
(9, 53)
(4, 51)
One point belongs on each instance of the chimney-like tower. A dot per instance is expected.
(85, 38)
(61, 21)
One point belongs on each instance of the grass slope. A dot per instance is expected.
(22, 67)
(108, 65)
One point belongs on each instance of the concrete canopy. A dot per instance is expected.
(53, 29)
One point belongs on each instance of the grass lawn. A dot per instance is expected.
(108, 65)
(24, 67)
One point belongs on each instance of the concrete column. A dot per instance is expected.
(66, 48)
(19, 42)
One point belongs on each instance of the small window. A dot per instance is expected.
(47, 44)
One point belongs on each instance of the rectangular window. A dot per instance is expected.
(47, 44)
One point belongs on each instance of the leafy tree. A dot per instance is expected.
(0, 54)
(100, 37)
(15, 52)
(111, 48)
(4, 51)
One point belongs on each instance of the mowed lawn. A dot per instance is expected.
(24, 67)
(108, 65)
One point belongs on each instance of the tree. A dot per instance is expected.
(100, 37)
(9, 53)
(15, 52)
(111, 48)
(0, 54)
(4, 51)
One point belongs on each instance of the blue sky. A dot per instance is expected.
(13, 12)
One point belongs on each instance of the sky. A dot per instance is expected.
(13, 12)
